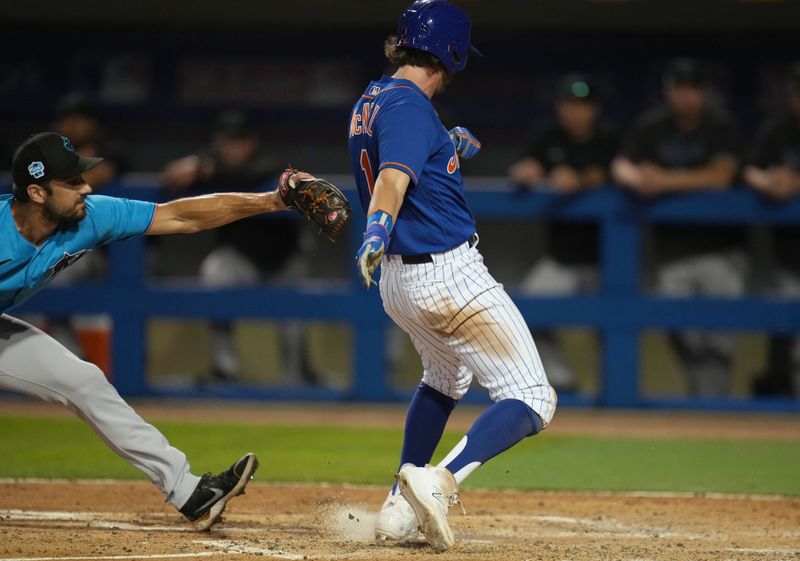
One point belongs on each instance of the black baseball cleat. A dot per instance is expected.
(205, 506)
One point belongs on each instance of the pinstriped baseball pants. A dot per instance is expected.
(463, 324)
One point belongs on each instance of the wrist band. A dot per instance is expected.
(379, 224)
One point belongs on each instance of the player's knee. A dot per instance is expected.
(86, 382)
(454, 391)
(536, 421)
(541, 400)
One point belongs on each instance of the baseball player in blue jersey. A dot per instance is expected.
(433, 283)
(49, 222)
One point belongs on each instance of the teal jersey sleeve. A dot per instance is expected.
(118, 219)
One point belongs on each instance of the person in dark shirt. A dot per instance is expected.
(569, 156)
(774, 160)
(237, 160)
(774, 170)
(76, 118)
(682, 147)
(573, 153)
(234, 157)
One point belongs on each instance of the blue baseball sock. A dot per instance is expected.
(425, 421)
(497, 429)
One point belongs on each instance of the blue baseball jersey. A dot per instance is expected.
(394, 125)
(25, 269)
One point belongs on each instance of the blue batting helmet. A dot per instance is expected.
(439, 28)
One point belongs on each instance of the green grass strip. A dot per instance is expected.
(67, 448)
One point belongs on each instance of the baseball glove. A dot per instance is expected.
(317, 199)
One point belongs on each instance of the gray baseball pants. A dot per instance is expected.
(35, 364)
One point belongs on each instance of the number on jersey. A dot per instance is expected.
(366, 167)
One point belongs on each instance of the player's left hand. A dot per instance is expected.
(368, 258)
(376, 238)
(467, 145)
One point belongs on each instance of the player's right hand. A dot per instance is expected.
(368, 258)
(467, 145)
(186, 172)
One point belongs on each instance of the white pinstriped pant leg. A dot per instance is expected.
(463, 323)
(442, 367)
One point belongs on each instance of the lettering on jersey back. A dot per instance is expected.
(362, 121)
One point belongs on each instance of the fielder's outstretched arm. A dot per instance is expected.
(193, 214)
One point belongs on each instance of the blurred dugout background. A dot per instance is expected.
(155, 77)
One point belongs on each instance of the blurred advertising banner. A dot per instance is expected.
(256, 81)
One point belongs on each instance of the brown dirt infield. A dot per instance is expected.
(127, 520)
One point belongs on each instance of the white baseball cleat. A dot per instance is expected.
(430, 491)
(396, 520)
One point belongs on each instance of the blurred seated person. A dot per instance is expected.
(570, 156)
(774, 170)
(681, 147)
(76, 117)
(236, 160)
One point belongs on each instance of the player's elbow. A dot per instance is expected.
(623, 170)
(722, 172)
(721, 179)
(189, 227)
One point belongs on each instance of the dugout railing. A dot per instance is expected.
(620, 312)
